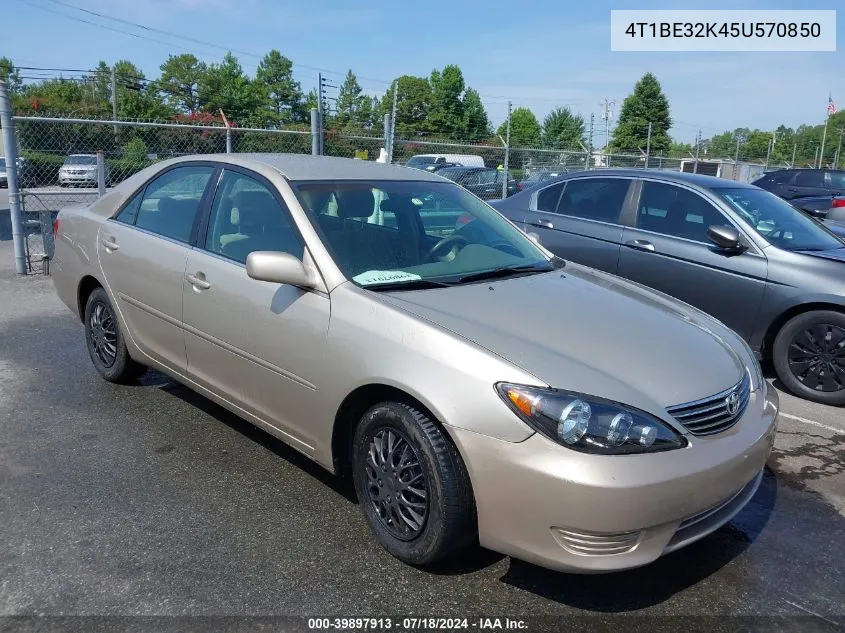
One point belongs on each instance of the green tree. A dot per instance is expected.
(274, 78)
(180, 80)
(413, 105)
(681, 150)
(10, 74)
(354, 109)
(563, 129)
(525, 129)
(446, 116)
(136, 97)
(647, 104)
(226, 87)
(476, 122)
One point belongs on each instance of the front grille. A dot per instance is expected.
(590, 544)
(714, 414)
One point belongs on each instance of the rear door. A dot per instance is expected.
(142, 251)
(667, 249)
(807, 182)
(579, 219)
(834, 181)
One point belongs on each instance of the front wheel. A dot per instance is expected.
(105, 341)
(412, 485)
(809, 356)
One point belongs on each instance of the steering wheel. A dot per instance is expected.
(452, 241)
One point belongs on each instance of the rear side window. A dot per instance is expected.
(130, 211)
(171, 201)
(837, 179)
(594, 198)
(780, 177)
(547, 198)
(810, 178)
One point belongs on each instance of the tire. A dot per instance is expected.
(448, 522)
(105, 343)
(809, 356)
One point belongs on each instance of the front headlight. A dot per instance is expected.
(589, 424)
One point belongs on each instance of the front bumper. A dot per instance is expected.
(570, 511)
(86, 179)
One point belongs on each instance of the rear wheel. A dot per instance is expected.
(809, 356)
(412, 485)
(105, 341)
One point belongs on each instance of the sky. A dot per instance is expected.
(539, 53)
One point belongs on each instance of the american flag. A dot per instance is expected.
(831, 107)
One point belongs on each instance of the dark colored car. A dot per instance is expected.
(539, 177)
(818, 206)
(484, 182)
(771, 273)
(801, 183)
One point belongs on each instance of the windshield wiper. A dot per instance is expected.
(414, 284)
(504, 271)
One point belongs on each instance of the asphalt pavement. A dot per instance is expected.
(149, 500)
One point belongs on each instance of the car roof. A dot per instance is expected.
(706, 182)
(303, 167)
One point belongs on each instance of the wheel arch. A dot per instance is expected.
(87, 285)
(353, 407)
(783, 318)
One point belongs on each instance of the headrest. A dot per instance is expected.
(177, 205)
(355, 203)
(396, 204)
(257, 208)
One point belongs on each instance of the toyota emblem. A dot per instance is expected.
(732, 403)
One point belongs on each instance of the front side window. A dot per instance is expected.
(403, 233)
(594, 198)
(171, 201)
(780, 223)
(246, 217)
(676, 212)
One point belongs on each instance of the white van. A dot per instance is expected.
(430, 162)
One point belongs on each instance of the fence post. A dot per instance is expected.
(315, 132)
(388, 137)
(393, 122)
(507, 155)
(648, 145)
(101, 173)
(228, 140)
(10, 146)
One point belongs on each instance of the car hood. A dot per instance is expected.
(589, 332)
(836, 254)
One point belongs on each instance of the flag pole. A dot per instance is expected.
(824, 136)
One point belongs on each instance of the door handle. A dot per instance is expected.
(109, 244)
(792, 189)
(542, 223)
(641, 245)
(197, 281)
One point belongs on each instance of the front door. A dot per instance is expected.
(258, 344)
(142, 252)
(668, 250)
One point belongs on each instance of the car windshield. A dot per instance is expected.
(421, 160)
(81, 160)
(416, 234)
(780, 223)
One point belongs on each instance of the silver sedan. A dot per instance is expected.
(393, 327)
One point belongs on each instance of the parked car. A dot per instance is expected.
(472, 384)
(485, 182)
(80, 169)
(737, 252)
(538, 177)
(24, 172)
(4, 181)
(801, 183)
(425, 161)
(818, 206)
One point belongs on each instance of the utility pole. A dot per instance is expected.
(816, 157)
(393, 122)
(838, 149)
(607, 104)
(648, 145)
(507, 152)
(590, 142)
(697, 149)
(770, 150)
(824, 137)
(794, 149)
(736, 156)
(114, 103)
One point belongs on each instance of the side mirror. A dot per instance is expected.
(725, 237)
(279, 268)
